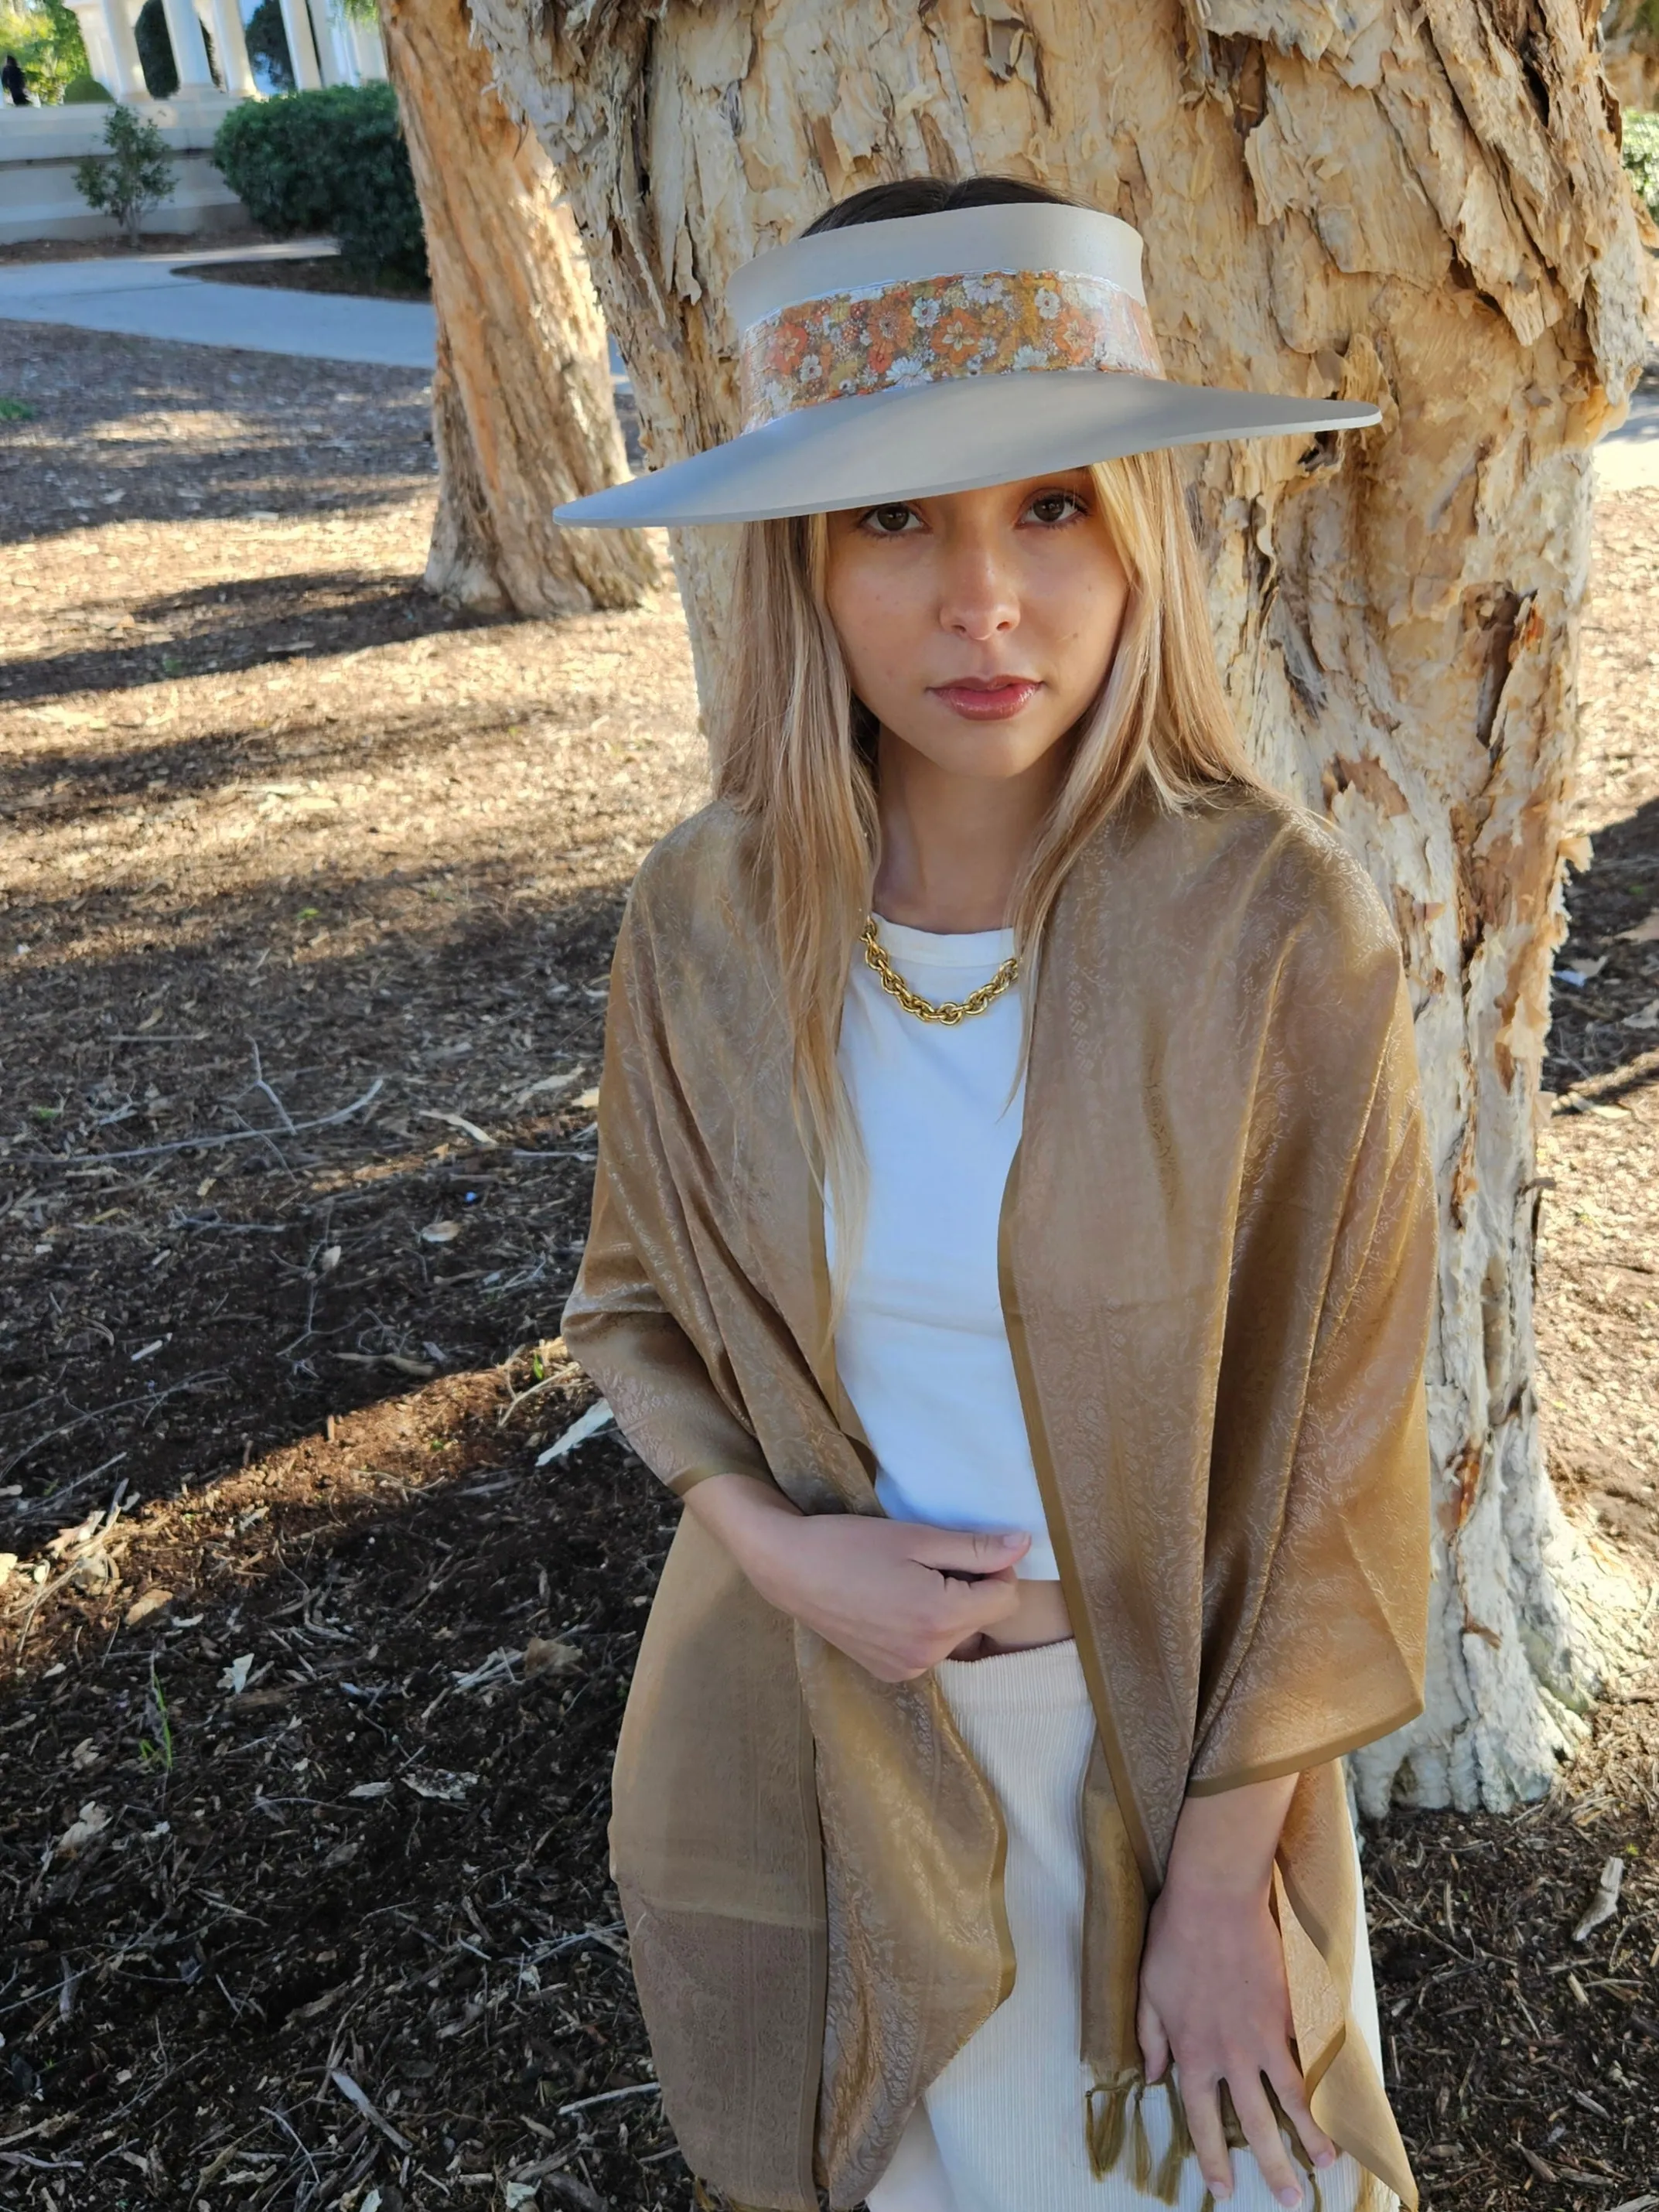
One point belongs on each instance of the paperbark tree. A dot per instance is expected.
(1419, 204)
(1629, 48)
(522, 411)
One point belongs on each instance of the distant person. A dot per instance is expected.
(14, 81)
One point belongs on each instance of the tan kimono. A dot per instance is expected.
(1217, 1256)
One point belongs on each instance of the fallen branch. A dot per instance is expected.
(203, 1143)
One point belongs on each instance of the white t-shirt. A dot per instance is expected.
(923, 1347)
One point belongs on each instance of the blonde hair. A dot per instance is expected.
(793, 753)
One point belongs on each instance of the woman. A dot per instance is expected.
(1013, 1240)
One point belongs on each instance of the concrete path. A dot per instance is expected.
(138, 294)
(1627, 459)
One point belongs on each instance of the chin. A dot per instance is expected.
(996, 752)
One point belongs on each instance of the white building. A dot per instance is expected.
(40, 146)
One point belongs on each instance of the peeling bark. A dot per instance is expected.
(522, 411)
(1629, 53)
(1417, 204)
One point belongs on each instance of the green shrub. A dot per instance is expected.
(330, 160)
(1642, 155)
(84, 91)
(133, 176)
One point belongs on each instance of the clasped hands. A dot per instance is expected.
(898, 1597)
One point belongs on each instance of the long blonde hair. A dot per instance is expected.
(793, 753)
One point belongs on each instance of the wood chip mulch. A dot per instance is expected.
(313, 1644)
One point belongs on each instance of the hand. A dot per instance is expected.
(1213, 1992)
(895, 1595)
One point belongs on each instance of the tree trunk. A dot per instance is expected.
(521, 405)
(1421, 205)
(1629, 53)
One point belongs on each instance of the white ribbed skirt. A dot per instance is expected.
(1002, 2128)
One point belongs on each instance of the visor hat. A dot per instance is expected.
(938, 353)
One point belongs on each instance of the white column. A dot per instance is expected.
(188, 50)
(369, 53)
(127, 69)
(231, 40)
(301, 47)
(334, 53)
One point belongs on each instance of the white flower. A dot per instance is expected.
(928, 312)
(909, 368)
(1028, 357)
(1047, 301)
(810, 367)
(983, 291)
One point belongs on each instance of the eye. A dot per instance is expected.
(891, 521)
(1053, 507)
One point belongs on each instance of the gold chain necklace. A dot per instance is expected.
(952, 1013)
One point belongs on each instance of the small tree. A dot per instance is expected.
(45, 37)
(133, 176)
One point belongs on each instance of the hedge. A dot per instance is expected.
(332, 161)
(1642, 155)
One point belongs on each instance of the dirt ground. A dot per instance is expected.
(314, 1656)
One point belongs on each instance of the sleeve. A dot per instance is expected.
(679, 1409)
(1325, 1567)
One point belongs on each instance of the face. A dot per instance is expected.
(978, 627)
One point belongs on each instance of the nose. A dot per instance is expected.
(977, 598)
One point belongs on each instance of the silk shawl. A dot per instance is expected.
(1216, 1257)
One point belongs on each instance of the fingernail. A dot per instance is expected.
(1290, 2197)
(1011, 1537)
(1325, 2158)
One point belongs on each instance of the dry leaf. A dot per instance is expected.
(440, 1232)
(1605, 1903)
(458, 1122)
(405, 1365)
(598, 1416)
(149, 1601)
(93, 1820)
(444, 1789)
(368, 1789)
(234, 1678)
(545, 1655)
(1646, 931)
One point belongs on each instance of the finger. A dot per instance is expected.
(964, 1606)
(1288, 2087)
(1153, 2041)
(1209, 2143)
(1261, 2126)
(968, 1551)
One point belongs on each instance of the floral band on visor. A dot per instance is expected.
(919, 332)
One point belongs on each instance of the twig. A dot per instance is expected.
(52, 1500)
(260, 1084)
(202, 1143)
(609, 2097)
(353, 2095)
(283, 2122)
(119, 1406)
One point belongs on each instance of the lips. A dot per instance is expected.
(988, 698)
